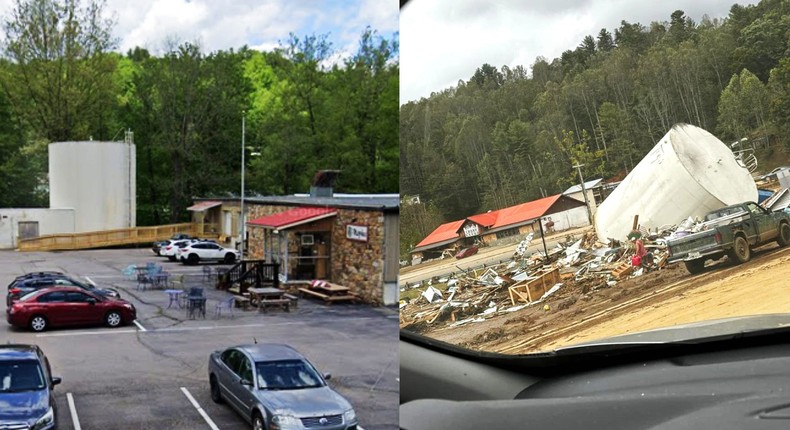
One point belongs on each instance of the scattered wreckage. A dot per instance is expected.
(529, 279)
(525, 280)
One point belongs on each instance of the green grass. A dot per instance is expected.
(413, 293)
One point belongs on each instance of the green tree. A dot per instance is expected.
(779, 99)
(743, 106)
(60, 81)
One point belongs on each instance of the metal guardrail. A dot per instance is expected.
(105, 238)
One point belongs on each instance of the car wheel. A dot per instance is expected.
(740, 252)
(784, 235)
(230, 258)
(257, 421)
(216, 396)
(695, 266)
(193, 259)
(113, 319)
(38, 323)
(171, 257)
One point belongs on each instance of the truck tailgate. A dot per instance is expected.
(693, 246)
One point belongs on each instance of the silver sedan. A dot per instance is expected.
(273, 386)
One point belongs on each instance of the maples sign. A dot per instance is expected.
(357, 232)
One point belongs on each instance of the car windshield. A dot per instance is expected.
(20, 376)
(583, 172)
(287, 375)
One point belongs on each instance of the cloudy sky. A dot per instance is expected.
(444, 41)
(260, 24)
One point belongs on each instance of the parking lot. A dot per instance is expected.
(153, 374)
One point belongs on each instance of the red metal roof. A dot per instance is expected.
(201, 206)
(525, 211)
(443, 232)
(494, 219)
(486, 220)
(294, 217)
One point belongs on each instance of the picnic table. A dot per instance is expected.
(268, 296)
(328, 291)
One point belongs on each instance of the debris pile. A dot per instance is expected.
(527, 280)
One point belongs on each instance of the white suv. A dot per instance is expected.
(193, 253)
(170, 250)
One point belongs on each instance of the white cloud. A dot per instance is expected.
(444, 41)
(260, 24)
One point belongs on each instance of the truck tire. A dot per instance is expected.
(740, 252)
(784, 234)
(695, 266)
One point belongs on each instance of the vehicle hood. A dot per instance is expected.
(23, 406)
(694, 333)
(308, 402)
(109, 292)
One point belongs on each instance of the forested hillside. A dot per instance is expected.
(62, 80)
(510, 135)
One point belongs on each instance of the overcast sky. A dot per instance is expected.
(444, 41)
(260, 24)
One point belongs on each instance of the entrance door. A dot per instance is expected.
(227, 228)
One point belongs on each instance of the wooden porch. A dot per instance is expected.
(111, 238)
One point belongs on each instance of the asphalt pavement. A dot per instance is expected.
(153, 374)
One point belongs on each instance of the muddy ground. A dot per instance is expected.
(588, 310)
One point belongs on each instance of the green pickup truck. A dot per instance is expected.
(732, 231)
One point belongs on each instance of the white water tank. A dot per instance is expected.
(97, 180)
(688, 173)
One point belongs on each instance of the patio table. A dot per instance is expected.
(175, 296)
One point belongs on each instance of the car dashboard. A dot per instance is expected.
(740, 384)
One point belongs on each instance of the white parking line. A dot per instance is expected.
(84, 333)
(73, 411)
(231, 326)
(199, 409)
(180, 329)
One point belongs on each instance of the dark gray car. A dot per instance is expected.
(273, 386)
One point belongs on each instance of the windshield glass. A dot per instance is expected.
(20, 376)
(556, 193)
(287, 375)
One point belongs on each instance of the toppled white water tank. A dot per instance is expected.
(688, 173)
(97, 180)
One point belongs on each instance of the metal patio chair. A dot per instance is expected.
(227, 304)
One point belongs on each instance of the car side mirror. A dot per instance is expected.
(56, 380)
(327, 376)
(91, 301)
(247, 382)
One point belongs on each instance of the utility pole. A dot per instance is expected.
(584, 192)
(241, 213)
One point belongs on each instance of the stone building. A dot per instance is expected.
(347, 239)
(351, 240)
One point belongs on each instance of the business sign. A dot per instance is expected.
(471, 230)
(357, 232)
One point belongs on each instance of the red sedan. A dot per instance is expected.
(60, 306)
(466, 252)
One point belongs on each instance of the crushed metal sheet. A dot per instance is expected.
(432, 295)
(521, 276)
(489, 311)
(467, 321)
(551, 291)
